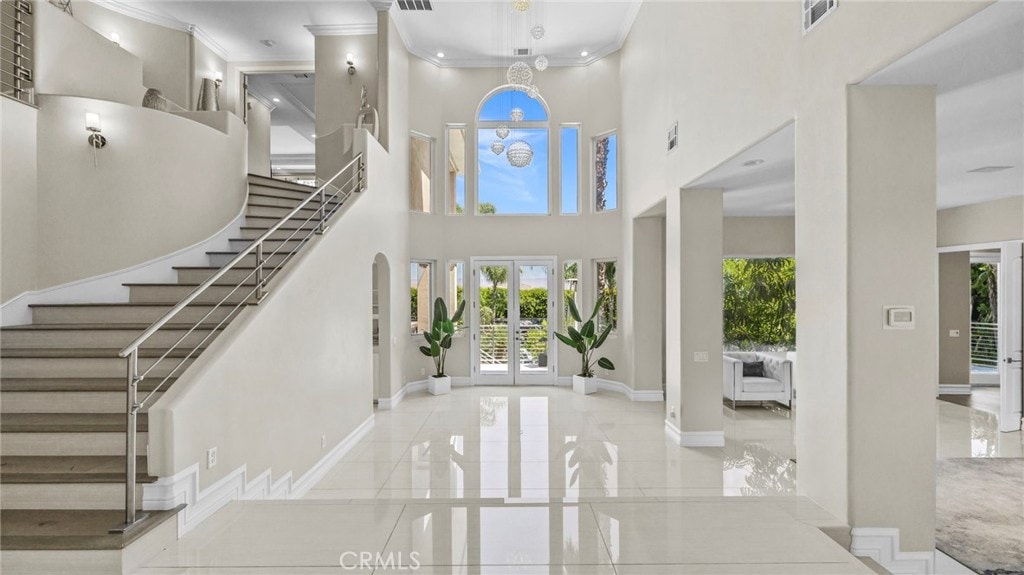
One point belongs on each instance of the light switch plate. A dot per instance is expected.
(700, 356)
(954, 333)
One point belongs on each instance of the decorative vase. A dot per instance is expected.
(584, 385)
(208, 92)
(439, 385)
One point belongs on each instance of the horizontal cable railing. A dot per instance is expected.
(16, 33)
(250, 289)
(984, 344)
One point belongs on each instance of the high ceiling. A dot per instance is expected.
(469, 33)
(978, 68)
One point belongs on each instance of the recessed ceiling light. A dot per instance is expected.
(440, 54)
(584, 53)
(752, 163)
(312, 135)
(988, 169)
(268, 43)
(277, 100)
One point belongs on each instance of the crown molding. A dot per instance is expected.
(262, 100)
(381, 5)
(132, 11)
(627, 23)
(342, 29)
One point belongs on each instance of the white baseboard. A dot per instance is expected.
(183, 487)
(109, 287)
(882, 544)
(618, 387)
(954, 389)
(388, 403)
(694, 438)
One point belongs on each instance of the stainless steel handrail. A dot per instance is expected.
(15, 50)
(327, 206)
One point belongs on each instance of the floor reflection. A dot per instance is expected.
(550, 444)
(969, 432)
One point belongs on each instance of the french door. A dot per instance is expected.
(1010, 336)
(513, 317)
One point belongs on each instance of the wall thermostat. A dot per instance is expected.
(898, 317)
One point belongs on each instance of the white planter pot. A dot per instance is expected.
(584, 385)
(439, 385)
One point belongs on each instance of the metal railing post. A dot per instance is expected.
(131, 517)
(260, 292)
(321, 228)
(360, 185)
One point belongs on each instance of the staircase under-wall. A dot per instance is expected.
(63, 389)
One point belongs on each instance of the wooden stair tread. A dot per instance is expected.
(19, 384)
(87, 353)
(68, 423)
(73, 529)
(69, 469)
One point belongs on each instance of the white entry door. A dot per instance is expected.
(512, 307)
(1011, 336)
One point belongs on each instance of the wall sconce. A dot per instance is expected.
(96, 139)
(115, 38)
(350, 60)
(218, 77)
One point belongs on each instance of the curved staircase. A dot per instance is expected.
(63, 387)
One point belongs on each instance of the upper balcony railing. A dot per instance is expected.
(984, 344)
(16, 50)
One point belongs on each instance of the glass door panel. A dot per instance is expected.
(533, 305)
(493, 333)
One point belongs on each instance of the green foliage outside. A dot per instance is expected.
(984, 279)
(608, 290)
(759, 304)
(487, 208)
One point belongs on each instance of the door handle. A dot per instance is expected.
(1012, 360)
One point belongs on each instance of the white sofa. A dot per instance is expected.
(776, 385)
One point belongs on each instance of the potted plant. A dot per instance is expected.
(585, 340)
(439, 341)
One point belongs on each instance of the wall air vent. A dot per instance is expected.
(302, 76)
(815, 11)
(521, 52)
(414, 5)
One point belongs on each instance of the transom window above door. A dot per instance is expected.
(512, 154)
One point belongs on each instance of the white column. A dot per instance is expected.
(693, 320)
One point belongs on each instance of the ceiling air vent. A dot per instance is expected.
(414, 5)
(521, 52)
(815, 11)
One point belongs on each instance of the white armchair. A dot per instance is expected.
(775, 385)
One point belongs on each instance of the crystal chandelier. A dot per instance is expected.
(533, 91)
(519, 74)
(537, 32)
(541, 63)
(497, 146)
(516, 115)
(521, 5)
(519, 154)
(501, 131)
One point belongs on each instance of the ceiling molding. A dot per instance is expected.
(627, 22)
(382, 5)
(261, 99)
(131, 11)
(342, 29)
(208, 40)
(295, 101)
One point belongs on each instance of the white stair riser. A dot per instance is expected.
(65, 496)
(281, 234)
(62, 444)
(232, 277)
(68, 401)
(174, 293)
(108, 338)
(265, 222)
(270, 246)
(219, 260)
(281, 211)
(121, 314)
(74, 367)
(284, 191)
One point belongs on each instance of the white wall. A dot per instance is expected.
(955, 314)
(18, 189)
(440, 96)
(758, 237)
(72, 60)
(258, 127)
(997, 221)
(162, 183)
(337, 95)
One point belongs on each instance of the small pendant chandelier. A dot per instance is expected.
(519, 154)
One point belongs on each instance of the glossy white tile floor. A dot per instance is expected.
(534, 480)
(968, 432)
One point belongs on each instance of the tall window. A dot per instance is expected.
(606, 172)
(421, 153)
(607, 287)
(504, 188)
(569, 140)
(457, 290)
(420, 273)
(570, 291)
(455, 178)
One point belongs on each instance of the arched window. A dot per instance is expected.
(502, 187)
